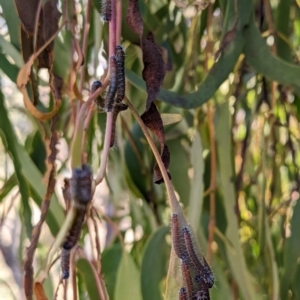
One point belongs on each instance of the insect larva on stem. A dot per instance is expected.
(99, 101)
(183, 294)
(81, 184)
(120, 56)
(201, 268)
(106, 10)
(177, 243)
(75, 230)
(187, 279)
(65, 263)
(203, 293)
(110, 96)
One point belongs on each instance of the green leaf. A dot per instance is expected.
(110, 263)
(236, 259)
(12, 21)
(11, 145)
(197, 185)
(260, 57)
(10, 70)
(55, 214)
(153, 267)
(128, 280)
(291, 253)
(10, 50)
(179, 167)
(91, 281)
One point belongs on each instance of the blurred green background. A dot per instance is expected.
(233, 75)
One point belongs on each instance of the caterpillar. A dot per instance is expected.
(74, 233)
(110, 96)
(183, 294)
(202, 269)
(99, 101)
(176, 235)
(116, 109)
(187, 279)
(81, 185)
(120, 56)
(65, 263)
(203, 293)
(106, 10)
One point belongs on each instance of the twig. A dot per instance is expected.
(213, 158)
(84, 42)
(109, 118)
(30, 251)
(36, 25)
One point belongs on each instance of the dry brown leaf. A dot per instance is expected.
(22, 80)
(27, 13)
(134, 18)
(154, 71)
(153, 121)
(39, 291)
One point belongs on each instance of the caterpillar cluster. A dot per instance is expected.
(197, 275)
(81, 191)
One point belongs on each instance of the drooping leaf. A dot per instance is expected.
(134, 18)
(11, 144)
(153, 266)
(153, 121)
(236, 258)
(291, 254)
(94, 286)
(128, 280)
(153, 72)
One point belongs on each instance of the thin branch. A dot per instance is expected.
(84, 42)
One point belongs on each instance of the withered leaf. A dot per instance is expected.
(154, 71)
(27, 12)
(134, 18)
(153, 121)
(56, 85)
(22, 80)
(39, 291)
(51, 17)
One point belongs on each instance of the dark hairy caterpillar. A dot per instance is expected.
(110, 96)
(182, 294)
(106, 10)
(176, 235)
(203, 293)
(81, 192)
(120, 56)
(202, 269)
(65, 263)
(99, 101)
(81, 184)
(74, 233)
(187, 279)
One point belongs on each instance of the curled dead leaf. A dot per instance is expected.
(134, 18)
(153, 121)
(22, 80)
(39, 291)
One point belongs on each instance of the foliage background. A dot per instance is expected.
(234, 154)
